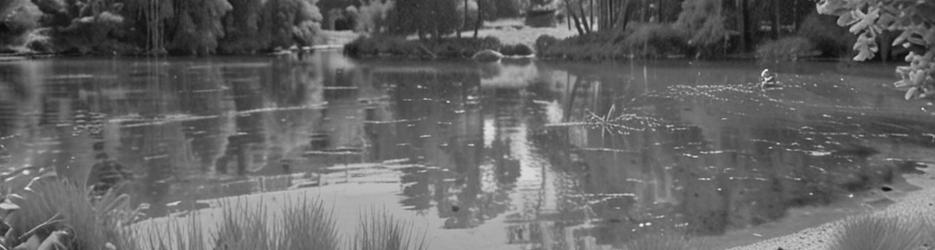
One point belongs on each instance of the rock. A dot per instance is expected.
(487, 56)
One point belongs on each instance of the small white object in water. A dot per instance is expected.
(768, 79)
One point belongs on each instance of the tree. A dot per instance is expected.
(913, 20)
(704, 22)
(425, 17)
(198, 25)
(17, 17)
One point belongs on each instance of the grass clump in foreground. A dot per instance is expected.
(884, 233)
(59, 214)
(307, 224)
(53, 212)
(378, 230)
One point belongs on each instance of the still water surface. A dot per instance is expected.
(520, 155)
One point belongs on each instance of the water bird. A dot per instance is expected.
(768, 79)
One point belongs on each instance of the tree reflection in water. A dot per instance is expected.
(471, 145)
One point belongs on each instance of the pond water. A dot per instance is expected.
(518, 155)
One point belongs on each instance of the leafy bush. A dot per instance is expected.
(544, 42)
(400, 47)
(788, 49)
(17, 18)
(517, 50)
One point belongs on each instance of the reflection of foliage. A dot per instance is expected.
(913, 19)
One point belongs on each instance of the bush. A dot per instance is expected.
(544, 42)
(786, 49)
(400, 47)
(17, 17)
(517, 50)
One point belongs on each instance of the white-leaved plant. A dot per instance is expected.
(913, 19)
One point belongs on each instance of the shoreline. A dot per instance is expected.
(920, 202)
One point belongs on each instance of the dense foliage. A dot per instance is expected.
(17, 17)
(915, 22)
(159, 26)
(704, 21)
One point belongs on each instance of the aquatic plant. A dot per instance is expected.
(879, 233)
(379, 230)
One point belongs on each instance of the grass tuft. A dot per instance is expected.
(49, 205)
(880, 233)
(378, 230)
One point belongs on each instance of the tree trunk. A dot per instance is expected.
(464, 22)
(480, 17)
(776, 24)
(592, 13)
(584, 17)
(745, 37)
(574, 17)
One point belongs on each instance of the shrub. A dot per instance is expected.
(544, 42)
(788, 49)
(400, 47)
(17, 17)
(517, 50)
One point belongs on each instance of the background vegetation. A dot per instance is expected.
(184, 27)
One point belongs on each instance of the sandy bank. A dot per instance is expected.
(913, 203)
